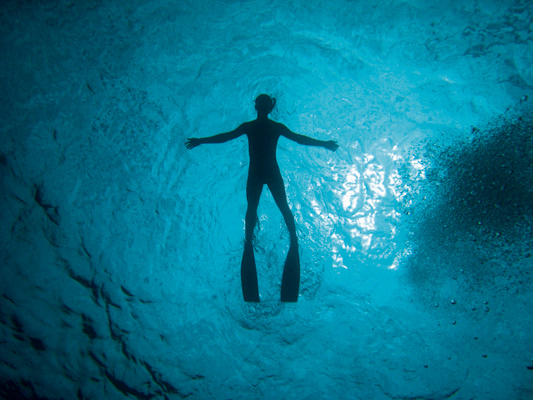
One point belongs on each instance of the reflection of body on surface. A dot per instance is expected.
(263, 135)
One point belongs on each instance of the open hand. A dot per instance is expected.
(191, 143)
(331, 145)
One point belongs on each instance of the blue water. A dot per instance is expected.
(121, 249)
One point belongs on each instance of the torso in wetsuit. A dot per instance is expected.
(263, 138)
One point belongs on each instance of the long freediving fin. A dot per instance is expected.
(250, 288)
(290, 282)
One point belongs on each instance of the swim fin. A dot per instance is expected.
(250, 288)
(290, 282)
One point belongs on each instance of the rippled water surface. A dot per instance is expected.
(121, 249)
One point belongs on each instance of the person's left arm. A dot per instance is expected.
(191, 143)
(308, 141)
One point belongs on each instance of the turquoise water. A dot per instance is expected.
(121, 249)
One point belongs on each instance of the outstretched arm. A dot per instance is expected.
(309, 141)
(191, 143)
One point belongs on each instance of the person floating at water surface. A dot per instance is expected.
(263, 134)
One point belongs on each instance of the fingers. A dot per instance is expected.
(332, 145)
(190, 143)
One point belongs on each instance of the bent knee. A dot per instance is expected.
(285, 210)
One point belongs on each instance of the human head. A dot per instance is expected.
(264, 104)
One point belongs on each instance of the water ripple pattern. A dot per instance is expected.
(121, 249)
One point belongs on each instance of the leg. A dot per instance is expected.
(250, 288)
(277, 188)
(253, 192)
(290, 282)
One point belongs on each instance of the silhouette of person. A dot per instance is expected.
(263, 134)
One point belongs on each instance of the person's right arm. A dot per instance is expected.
(308, 141)
(191, 143)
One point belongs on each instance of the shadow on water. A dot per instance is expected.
(473, 211)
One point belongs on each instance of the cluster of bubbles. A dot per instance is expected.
(472, 210)
(481, 185)
(487, 181)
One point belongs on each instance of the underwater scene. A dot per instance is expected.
(125, 246)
